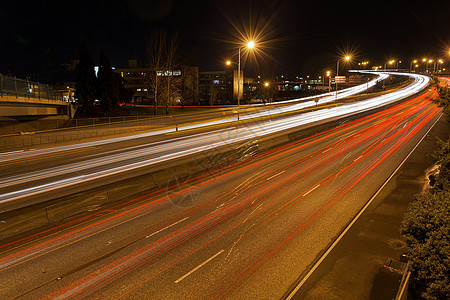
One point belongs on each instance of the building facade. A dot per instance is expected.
(138, 79)
(220, 87)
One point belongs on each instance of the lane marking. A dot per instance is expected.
(327, 150)
(276, 175)
(13, 160)
(322, 258)
(11, 152)
(167, 227)
(311, 190)
(199, 266)
(357, 158)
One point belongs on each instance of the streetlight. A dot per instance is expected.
(389, 62)
(436, 62)
(250, 45)
(346, 58)
(266, 93)
(411, 64)
(329, 81)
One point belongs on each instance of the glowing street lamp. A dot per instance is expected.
(429, 62)
(266, 93)
(411, 64)
(346, 58)
(363, 64)
(329, 81)
(250, 45)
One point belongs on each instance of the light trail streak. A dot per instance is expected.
(78, 233)
(304, 223)
(252, 227)
(129, 161)
(118, 269)
(383, 129)
(304, 104)
(337, 152)
(333, 155)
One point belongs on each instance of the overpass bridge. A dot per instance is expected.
(25, 98)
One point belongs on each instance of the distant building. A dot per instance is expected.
(65, 91)
(220, 87)
(136, 79)
(288, 86)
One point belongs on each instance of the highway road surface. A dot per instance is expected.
(37, 175)
(249, 230)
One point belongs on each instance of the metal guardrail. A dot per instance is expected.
(13, 86)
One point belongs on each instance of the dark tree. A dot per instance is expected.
(162, 55)
(125, 94)
(443, 99)
(156, 44)
(426, 229)
(172, 84)
(85, 80)
(107, 87)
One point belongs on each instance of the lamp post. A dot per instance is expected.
(329, 81)
(411, 64)
(390, 63)
(250, 45)
(429, 62)
(347, 58)
(266, 92)
(436, 64)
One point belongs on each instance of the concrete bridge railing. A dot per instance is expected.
(22, 97)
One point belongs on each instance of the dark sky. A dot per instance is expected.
(296, 37)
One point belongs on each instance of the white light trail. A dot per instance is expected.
(323, 98)
(131, 160)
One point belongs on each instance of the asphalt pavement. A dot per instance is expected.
(355, 268)
(245, 231)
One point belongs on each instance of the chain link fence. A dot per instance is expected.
(15, 87)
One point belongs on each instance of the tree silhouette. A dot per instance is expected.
(85, 80)
(107, 85)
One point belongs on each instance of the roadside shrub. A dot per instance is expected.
(426, 230)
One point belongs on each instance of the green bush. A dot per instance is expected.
(426, 229)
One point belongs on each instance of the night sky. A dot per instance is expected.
(296, 37)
